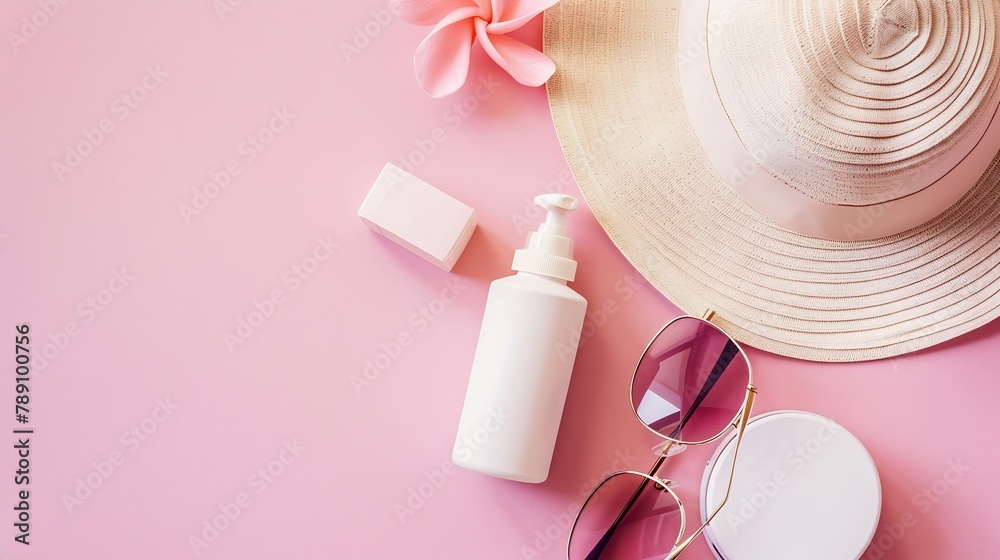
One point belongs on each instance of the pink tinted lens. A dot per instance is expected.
(691, 382)
(649, 529)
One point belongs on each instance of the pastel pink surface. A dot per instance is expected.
(341, 76)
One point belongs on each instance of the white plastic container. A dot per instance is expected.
(804, 487)
(524, 359)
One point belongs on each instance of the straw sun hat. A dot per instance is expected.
(824, 174)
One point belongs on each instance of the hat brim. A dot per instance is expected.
(619, 113)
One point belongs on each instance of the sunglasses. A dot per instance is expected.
(692, 383)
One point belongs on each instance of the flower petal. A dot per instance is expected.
(442, 58)
(427, 12)
(527, 65)
(509, 15)
(486, 9)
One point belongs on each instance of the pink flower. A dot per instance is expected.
(442, 59)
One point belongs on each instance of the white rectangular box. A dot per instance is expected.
(418, 216)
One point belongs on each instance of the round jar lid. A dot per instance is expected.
(804, 487)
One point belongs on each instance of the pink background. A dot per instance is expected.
(358, 454)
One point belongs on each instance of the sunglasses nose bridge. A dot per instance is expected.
(665, 483)
(668, 448)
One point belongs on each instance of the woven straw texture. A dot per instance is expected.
(619, 114)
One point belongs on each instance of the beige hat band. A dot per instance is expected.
(831, 259)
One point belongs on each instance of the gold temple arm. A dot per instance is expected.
(741, 428)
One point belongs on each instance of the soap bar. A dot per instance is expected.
(418, 216)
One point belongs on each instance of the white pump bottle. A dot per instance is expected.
(524, 359)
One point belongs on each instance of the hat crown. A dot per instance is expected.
(856, 102)
(893, 26)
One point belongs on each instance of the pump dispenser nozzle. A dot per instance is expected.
(549, 251)
(558, 207)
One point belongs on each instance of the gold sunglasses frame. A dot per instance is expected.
(739, 422)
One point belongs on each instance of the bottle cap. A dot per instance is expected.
(418, 216)
(549, 251)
